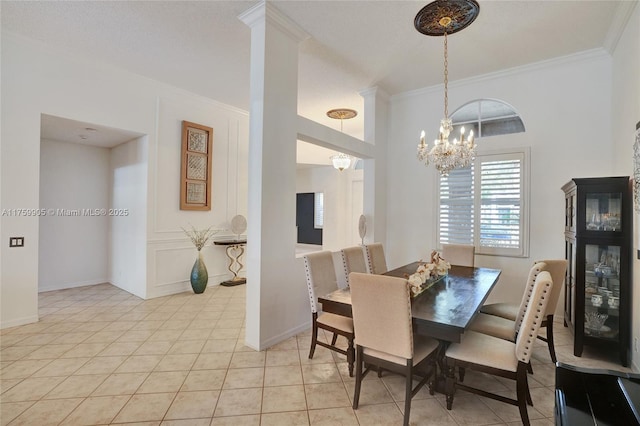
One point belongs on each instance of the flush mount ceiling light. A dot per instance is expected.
(341, 161)
(440, 18)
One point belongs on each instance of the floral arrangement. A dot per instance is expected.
(199, 237)
(436, 267)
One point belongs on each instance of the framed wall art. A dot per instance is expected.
(195, 174)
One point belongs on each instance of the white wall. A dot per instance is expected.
(37, 79)
(565, 106)
(72, 250)
(128, 205)
(626, 113)
(170, 255)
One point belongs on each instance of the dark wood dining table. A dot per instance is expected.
(444, 310)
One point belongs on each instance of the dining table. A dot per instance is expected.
(444, 310)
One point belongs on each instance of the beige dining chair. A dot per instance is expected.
(496, 318)
(459, 254)
(381, 307)
(353, 261)
(504, 328)
(376, 263)
(321, 280)
(492, 355)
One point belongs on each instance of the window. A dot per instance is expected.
(484, 204)
(318, 210)
(487, 117)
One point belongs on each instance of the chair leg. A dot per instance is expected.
(552, 349)
(408, 392)
(350, 357)
(434, 377)
(334, 339)
(314, 335)
(450, 384)
(461, 373)
(522, 390)
(529, 400)
(356, 392)
(529, 368)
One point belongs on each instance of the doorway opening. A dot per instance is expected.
(93, 186)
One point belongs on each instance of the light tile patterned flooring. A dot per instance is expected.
(102, 356)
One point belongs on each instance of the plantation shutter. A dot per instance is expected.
(483, 205)
(318, 210)
(501, 201)
(457, 207)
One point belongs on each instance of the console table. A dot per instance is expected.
(235, 250)
(596, 397)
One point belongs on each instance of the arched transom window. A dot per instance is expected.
(487, 117)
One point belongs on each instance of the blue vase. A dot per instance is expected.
(199, 275)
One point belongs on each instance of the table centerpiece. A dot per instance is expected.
(428, 273)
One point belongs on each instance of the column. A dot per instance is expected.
(273, 302)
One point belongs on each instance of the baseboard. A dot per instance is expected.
(19, 321)
(71, 285)
(282, 336)
(169, 289)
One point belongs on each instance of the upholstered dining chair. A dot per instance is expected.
(504, 328)
(495, 317)
(492, 355)
(321, 280)
(381, 308)
(459, 254)
(376, 263)
(353, 261)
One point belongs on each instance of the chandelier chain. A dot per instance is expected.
(446, 78)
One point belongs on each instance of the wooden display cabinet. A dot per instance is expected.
(598, 230)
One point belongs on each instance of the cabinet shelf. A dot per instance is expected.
(603, 308)
(598, 229)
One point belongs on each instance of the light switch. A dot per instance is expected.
(16, 241)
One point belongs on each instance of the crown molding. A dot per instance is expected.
(619, 23)
(376, 92)
(587, 55)
(270, 13)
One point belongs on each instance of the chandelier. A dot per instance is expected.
(341, 161)
(440, 18)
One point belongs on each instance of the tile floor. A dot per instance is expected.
(102, 356)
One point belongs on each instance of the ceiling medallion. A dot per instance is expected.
(446, 16)
(342, 114)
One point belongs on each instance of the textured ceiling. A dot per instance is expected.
(203, 47)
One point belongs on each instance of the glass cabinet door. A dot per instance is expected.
(603, 211)
(602, 291)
